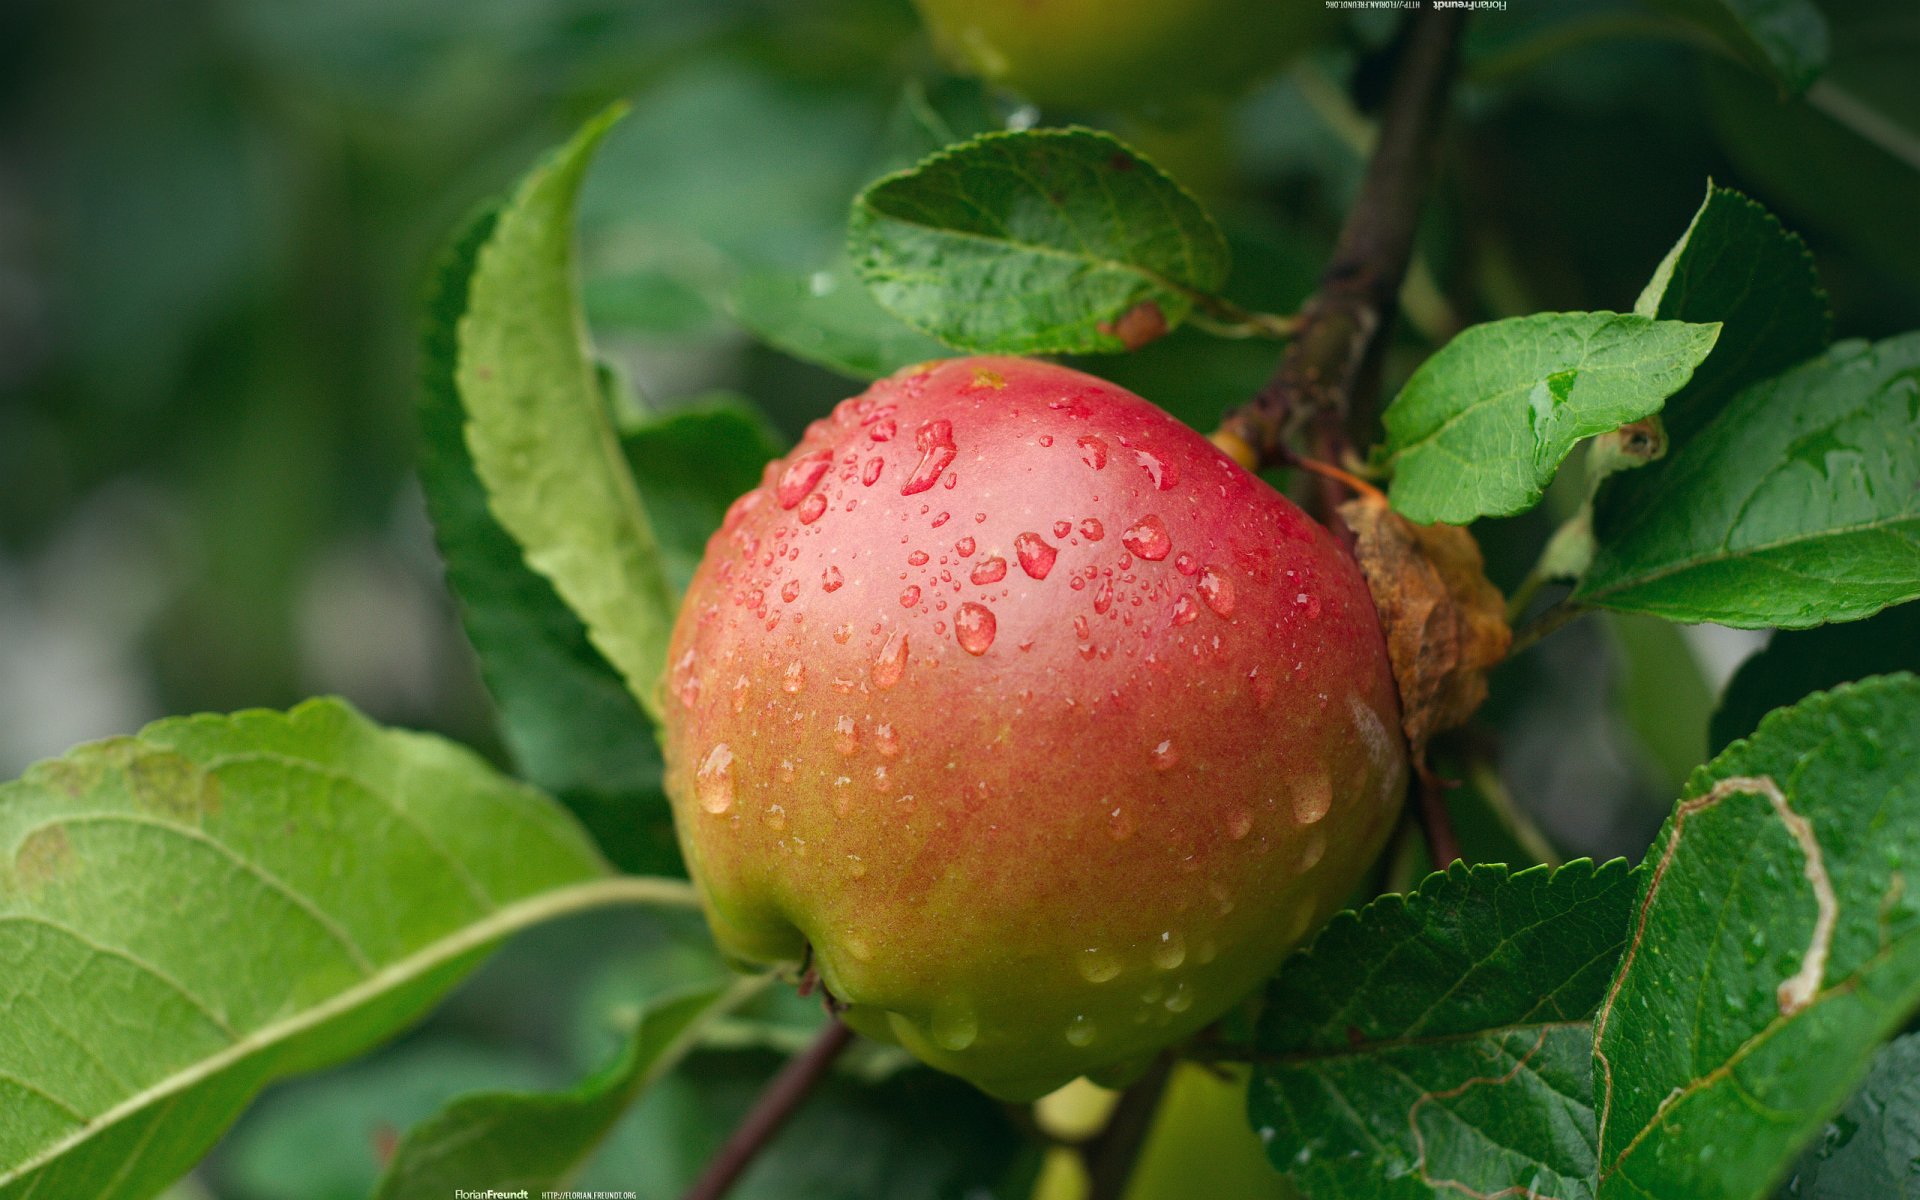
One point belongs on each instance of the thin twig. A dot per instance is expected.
(1110, 1155)
(1551, 618)
(1443, 845)
(1322, 388)
(777, 1102)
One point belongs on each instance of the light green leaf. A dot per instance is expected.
(1784, 40)
(190, 913)
(1736, 264)
(1799, 504)
(1481, 427)
(1046, 241)
(541, 437)
(1439, 1044)
(565, 714)
(536, 1140)
(1776, 943)
(830, 319)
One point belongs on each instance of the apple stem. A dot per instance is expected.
(1111, 1154)
(1443, 845)
(1323, 385)
(776, 1102)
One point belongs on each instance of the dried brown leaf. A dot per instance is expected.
(1445, 624)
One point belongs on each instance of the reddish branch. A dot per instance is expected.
(770, 1111)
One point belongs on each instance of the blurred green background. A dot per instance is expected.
(216, 217)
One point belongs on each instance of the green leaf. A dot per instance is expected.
(1438, 1044)
(1799, 504)
(1481, 427)
(830, 320)
(537, 1140)
(1784, 40)
(1736, 264)
(1800, 661)
(914, 1135)
(1036, 242)
(540, 434)
(689, 465)
(266, 894)
(565, 714)
(1872, 1146)
(1776, 943)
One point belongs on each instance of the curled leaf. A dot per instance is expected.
(1445, 624)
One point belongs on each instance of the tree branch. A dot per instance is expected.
(770, 1111)
(1320, 395)
(1111, 1154)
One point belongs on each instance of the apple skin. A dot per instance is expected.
(1043, 724)
(1121, 53)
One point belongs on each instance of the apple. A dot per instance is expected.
(1136, 54)
(1033, 722)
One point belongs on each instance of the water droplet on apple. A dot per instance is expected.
(964, 547)
(1103, 599)
(883, 430)
(1313, 848)
(910, 597)
(713, 782)
(1239, 824)
(1036, 557)
(846, 736)
(830, 579)
(775, 817)
(934, 441)
(1180, 999)
(1163, 474)
(1217, 590)
(1148, 538)
(871, 475)
(973, 628)
(1184, 610)
(1169, 951)
(794, 677)
(1081, 1031)
(1120, 824)
(1185, 563)
(1312, 797)
(1165, 755)
(988, 570)
(885, 740)
(1098, 966)
(1092, 530)
(1093, 451)
(892, 662)
(954, 1025)
(800, 477)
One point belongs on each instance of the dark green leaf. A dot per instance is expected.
(830, 319)
(914, 1135)
(1439, 1043)
(565, 714)
(1799, 661)
(540, 434)
(1872, 1146)
(1799, 504)
(689, 465)
(1481, 427)
(1049, 241)
(1785, 40)
(1737, 265)
(536, 1140)
(219, 901)
(1775, 945)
